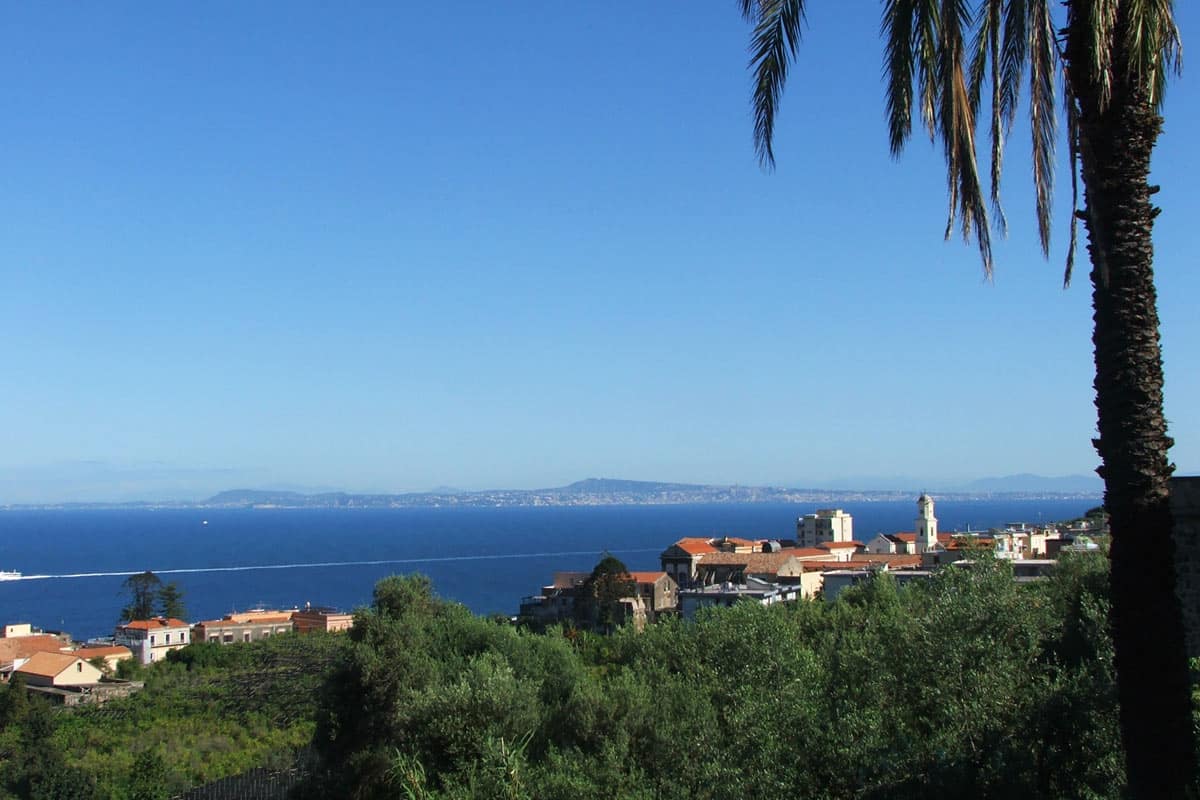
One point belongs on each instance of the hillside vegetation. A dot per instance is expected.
(966, 685)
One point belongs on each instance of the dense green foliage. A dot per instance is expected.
(143, 590)
(207, 712)
(170, 602)
(968, 684)
(598, 602)
(149, 597)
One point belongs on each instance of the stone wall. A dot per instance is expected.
(1185, 504)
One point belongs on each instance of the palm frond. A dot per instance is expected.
(896, 29)
(986, 53)
(774, 42)
(956, 128)
(1154, 45)
(1043, 54)
(1101, 22)
(925, 44)
(1015, 53)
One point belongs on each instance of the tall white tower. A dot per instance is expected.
(926, 525)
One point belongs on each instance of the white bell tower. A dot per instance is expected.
(926, 525)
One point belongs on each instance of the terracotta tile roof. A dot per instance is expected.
(257, 619)
(695, 546)
(807, 553)
(87, 653)
(737, 542)
(47, 665)
(826, 566)
(758, 563)
(903, 537)
(158, 623)
(647, 577)
(25, 646)
(839, 545)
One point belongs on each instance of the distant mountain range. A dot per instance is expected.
(612, 491)
(1037, 483)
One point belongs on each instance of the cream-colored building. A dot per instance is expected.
(249, 626)
(58, 669)
(824, 525)
(314, 618)
(151, 639)
(112, 655)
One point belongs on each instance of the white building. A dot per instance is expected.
(826, 525)
(151, 639)
(926, 525)
(726, 594)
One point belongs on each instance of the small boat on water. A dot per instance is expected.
(9, 575)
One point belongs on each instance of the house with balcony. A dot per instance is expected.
(151, 639)
(247, 626)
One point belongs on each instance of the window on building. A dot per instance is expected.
(246, 636)
(228, 638)
(151, 639)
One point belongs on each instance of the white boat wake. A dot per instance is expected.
(320, 564)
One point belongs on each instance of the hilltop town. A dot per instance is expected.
(822, 560)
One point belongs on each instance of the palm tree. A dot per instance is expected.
(1112, 58)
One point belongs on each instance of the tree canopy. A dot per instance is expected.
(143, 590)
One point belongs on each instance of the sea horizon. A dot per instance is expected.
(227, 560)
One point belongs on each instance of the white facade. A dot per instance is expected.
(826, 525)
(926, 525)
(151, 639)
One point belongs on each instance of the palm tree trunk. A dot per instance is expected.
(1116, 142)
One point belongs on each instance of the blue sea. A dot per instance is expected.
(74, 562)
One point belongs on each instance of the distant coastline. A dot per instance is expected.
(589, 492)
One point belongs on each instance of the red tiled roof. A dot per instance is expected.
(155, 624)
(87, 653)
(647, 577)
(25, 646)
(695, 546)
(759, 563)
(839, 545)
(47, 665)
(806, 553)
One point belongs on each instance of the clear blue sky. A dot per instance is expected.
(382, 247)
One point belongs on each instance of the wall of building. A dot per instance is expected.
(231, 632)
(1185, 503)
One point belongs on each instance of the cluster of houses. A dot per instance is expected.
(823, 560)
(69, 673)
